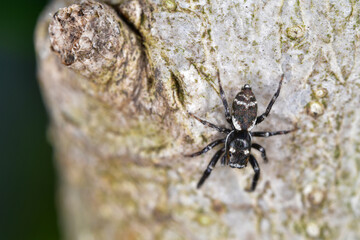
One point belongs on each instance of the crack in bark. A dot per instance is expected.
(141, 39)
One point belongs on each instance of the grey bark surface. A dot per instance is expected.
(118, 78)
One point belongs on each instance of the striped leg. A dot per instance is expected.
(219, 129)
(261, 150)
(268, 109)
(210, 167)
(223, 98)
(269, 134)
(256, 168)
(207, 148)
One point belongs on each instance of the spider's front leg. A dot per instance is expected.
(225, 103)
(256, 168)
(210, 167)
(261, 150)
(268, 109)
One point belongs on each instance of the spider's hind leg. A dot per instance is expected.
(207, 148)
(210, 167)
(269, 134)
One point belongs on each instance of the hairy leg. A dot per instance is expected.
(268, 109)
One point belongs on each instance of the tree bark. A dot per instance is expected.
(119, 78)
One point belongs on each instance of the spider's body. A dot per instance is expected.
(237, 150)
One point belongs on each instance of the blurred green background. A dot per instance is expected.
(27, 176)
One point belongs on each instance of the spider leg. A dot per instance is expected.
(223, 160)
(207, 148)
(268, 109)
(269, 134)
(223, 98)
(219, 129)
(210, 167)
(256, 168)
(261, 150)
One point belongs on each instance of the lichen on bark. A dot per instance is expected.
(118, 78)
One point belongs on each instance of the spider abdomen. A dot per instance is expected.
(244, 109)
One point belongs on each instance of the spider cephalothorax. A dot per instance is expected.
(236, 151)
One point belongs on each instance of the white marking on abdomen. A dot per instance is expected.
(247, 105)
(236, 124)
(252, 125)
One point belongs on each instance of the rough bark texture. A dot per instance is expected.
(119, 77)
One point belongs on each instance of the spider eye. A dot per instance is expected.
(232, 150)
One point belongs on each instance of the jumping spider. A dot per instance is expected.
(237, 143)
